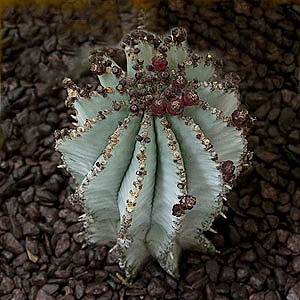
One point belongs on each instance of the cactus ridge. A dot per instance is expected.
(155, 148)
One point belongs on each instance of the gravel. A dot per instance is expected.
(42, 253)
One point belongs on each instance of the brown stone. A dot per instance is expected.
(268, 191)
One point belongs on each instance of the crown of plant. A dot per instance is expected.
(155, 148)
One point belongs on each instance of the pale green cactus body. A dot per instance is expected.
(154, 151)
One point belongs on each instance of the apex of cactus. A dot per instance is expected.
(155, 148)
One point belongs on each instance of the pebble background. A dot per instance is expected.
(42, 254)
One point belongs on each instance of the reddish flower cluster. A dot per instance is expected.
(158, 107)
(173, 104)
(189, 98)
(186, 202)
(179, 83)
(159, 62)
(227, 169)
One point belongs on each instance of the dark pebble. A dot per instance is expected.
(257, 296)
(268, 191)
(273, 220)
(40, 279)
(12, 145)
(257, 281)
(296, 264)
(193, 258)
(273, 114)
(42, 295)
(227, 274)
(4, 223)
(15, 94)
(210, 290)
(30, 229)
(79, 258)
(255, 212)
(7, 285)
(242, 274)
(10, 243)
(68, 215)
(52, 118)
(294, 292)
(59, 226)
(194, 295)
(45, 129)
(293, 243)
(21, 102)
(79, 289)
(249, 256)
(212, 269)
(250, 226)
(27, 195)
(50, 44)
(97, 288)
(62, 245)
(106, 296)
(170, 295)
(237, 291)
(42, 89)
(50, 288)
(33, 211)
(18, 294)
(31, 134)
(48, 167)
(234, 235)
(194, 275)
(280, 261)
(136, 292)
(270, 241)
(156, 288)
(222, 288)
(88, 297)
(280, 276)
(287, 117)
(20, 260)
(171, 282)
(44, 195)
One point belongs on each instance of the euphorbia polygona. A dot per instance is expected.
(155, 149)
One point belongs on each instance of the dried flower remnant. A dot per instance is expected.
(155, 149)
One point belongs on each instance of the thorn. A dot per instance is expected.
(223, 215)
(212, 230)
(61, 166)
(228, 187)
(74, 117)
(113, 248)
(82, 218)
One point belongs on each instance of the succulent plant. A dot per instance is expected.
(155, 148)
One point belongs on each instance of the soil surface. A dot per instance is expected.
(42, 253)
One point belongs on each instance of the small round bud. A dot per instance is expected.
(159, 62)
(175, 107)
(136, 50)
(133, 108)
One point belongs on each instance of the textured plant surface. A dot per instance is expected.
(155, 148)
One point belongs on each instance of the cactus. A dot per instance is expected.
(154, 149)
